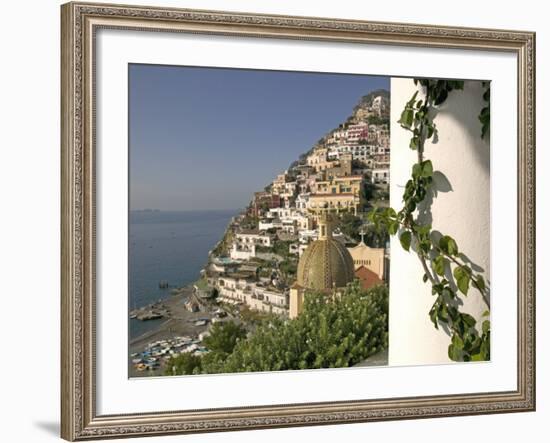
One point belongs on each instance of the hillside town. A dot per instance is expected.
(307, 230)
(345, 173)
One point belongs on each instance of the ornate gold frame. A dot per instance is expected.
(79, 420)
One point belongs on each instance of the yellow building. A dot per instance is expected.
(370, 258)
(337, 185)
(325, 266)
(318, 160)
(344, 202)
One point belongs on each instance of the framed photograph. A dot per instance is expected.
(277, 221)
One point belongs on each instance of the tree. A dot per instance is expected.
(183, 364)
(224, 336)
(350, 225)
(330, 332)
(369, 190)
(375, 238)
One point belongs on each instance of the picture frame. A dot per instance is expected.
(80, 23)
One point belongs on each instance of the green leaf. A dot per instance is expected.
(439, 265)
(406, 119)
(425, 278)
(425, 246)
(443, 313)
(393, 226)
(416, 170)
(431, 130)
(405, 239)
(433, 316)
(455, 354)
(410, 103)
(480, 283)
(486, 326)
(457, 342)
(441, 97)
(427, 168)
(447, 292)
(469, 320)
(462, 279)
(448, 245)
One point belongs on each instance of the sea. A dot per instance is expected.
(168, 246)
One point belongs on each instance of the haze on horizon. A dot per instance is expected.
(207, 138)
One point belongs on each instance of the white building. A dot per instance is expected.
(267, 300)
(266, 224)
(242, 252)
(358, 152)
(301, 202)
(380, 176)
(250, 237)
(233, 289)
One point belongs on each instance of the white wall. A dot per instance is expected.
(460, 209)
(29, 225)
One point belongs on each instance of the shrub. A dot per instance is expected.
(329, 333)
(184, 364)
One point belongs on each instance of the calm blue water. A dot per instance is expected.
(171, 246)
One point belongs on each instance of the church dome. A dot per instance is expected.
(325, 264)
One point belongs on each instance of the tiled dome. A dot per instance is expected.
(324, 265)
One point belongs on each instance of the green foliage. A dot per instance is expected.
(468, 342)
(438, 90)
(329, 333)
(405, 239)
(376, 120)
(485, 114)
(223, 337)
(350, 225)
(183, 364)
(448, 245)
(224, 245)
(252, 316)
(281, 248)
(288, 268)
(369, 190)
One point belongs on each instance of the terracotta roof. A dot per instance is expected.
(367, 278)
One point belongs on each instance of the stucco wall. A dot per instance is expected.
(461, 209)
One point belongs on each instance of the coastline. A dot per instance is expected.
(180, 322)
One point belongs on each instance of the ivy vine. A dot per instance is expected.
(485, 114)
(445, 267)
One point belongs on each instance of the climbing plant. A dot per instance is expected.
(447, 270)
(485, 114)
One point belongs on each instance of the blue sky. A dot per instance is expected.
(207, 138)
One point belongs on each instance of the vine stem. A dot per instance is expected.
(431, 277)
(456, 262)
(420, 154)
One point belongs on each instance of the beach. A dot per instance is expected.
(179, 322)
